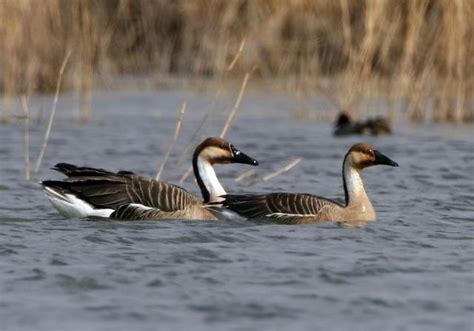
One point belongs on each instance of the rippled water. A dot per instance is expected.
(412, 269)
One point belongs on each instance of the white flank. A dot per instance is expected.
(225, 214)
(71, 206)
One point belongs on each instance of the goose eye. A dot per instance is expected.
(234, 150)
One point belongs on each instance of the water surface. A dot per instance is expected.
(412, 269)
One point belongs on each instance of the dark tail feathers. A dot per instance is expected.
(71, 170)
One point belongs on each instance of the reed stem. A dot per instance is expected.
(246, 175)
(276, 173)
(212, 107)
(229, 121)
(286, 168)
(232, 114)
(173, 141)
(53, 111)
(186, 174)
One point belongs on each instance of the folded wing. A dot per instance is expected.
(280, 207)
(104, 189)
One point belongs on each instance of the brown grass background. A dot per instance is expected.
(417, 51)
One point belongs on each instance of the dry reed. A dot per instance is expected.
(231, 117)
(212, 106)
(229, 120)
(173, 140)
(276, 173)
(53, 111)
(198, 128)
(424, 45)
(186, 174)
(245, 176)
(284, 169)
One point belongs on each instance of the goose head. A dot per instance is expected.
(217, 150)
(343, 119)
(212, 151)
(362, 155)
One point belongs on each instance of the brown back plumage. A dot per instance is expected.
(105, 189)
(282, 207)
(131, 196)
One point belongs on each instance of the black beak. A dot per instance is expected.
(382, 159)
(239, 157)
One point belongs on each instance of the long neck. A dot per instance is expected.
(353, 185)
(207, 180)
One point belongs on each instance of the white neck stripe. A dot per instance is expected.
(209, 179)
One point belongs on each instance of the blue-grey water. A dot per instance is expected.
(413, 269)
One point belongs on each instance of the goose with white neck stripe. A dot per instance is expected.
(300, 208)
(91, 192)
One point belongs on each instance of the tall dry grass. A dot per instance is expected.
(419, 51)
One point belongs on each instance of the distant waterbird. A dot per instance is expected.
(300, 208)
(92, 192)
(376, 126)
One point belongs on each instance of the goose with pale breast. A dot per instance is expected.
(125, 195)
(300, 208)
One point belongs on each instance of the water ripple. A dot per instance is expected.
(412, 268)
